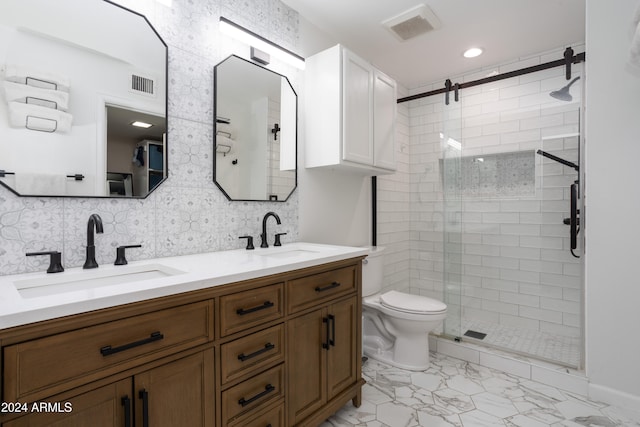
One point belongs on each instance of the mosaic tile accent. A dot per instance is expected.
(491, 175)
(462, 394)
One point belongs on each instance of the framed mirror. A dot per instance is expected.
(255, 140)
(83, 100)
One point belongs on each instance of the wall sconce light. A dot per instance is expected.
(256, 41)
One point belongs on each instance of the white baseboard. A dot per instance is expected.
(629, 402)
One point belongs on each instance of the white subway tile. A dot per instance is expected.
(520, 299)
(501, 262)
(540, 314)
(572, 307)
(540, 266)
(540, 290)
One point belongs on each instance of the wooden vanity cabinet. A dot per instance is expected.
(324, 333)
(281, 350)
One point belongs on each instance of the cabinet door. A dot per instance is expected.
(357, 138)
(102, 407)
(342, 360)
(306, 364)
(179, 393)
(384, 119)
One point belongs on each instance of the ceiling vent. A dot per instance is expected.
(412, 23)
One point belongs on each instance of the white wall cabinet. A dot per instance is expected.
(350, 114)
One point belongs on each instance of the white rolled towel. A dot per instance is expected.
(226, 130)
(38, 118)
(39, 184)
(26, 94)
(223, 144)
(37, 78)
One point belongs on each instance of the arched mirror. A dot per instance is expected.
(83, 100)
(255, 132)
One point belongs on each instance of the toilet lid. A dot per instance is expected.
(411, 303)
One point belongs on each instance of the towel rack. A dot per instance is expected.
(76, 177)
(3, 173)
(225, 120)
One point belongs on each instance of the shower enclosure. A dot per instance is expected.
(499, 181)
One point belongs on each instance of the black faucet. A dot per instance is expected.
(94, 222)
(263, 236)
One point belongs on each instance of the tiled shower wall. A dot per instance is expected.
(188, 213)
(509, 262)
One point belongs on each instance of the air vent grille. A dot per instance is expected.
(142, 84)
(412, 27)
(412, 23)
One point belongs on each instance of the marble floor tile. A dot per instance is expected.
(455, 393)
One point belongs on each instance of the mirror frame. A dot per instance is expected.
(166, 121)
(215, 126)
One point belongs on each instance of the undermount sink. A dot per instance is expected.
(84, 279)
(290, 251)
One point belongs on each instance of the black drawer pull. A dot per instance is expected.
(108, 350)
(242, 311)
(144, 395)
(268, 389)
(332, 340)
(126, 402)
(268, 346)
(325, 344)
(326, 288)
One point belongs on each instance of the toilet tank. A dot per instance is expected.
(372, 271)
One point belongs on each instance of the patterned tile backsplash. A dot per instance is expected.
(187, 214)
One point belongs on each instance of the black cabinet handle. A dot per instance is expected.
(332, 341)
(144, 395)
(126, 402)
(268, 346)
(242, 311)
(326, 288)
(325, 344)
(268, 389)
(108, 350)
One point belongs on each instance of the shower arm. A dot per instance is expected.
(559, 160)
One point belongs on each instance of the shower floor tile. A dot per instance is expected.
(453, 392)
(543, 345)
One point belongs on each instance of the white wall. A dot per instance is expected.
(612, 205)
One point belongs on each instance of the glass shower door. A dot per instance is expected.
(450, 167)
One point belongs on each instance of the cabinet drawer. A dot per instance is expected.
(41, 367)
(273, 417)
(256, 392)
(311, 290)
(250, 308)
(250, 353)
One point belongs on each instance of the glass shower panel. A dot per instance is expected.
(451, 149)
(510, 154)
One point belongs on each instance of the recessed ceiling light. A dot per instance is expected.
(141, 124)
(472, 53)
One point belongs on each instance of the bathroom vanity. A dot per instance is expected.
(235, 338)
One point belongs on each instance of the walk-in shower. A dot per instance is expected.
(491, 190)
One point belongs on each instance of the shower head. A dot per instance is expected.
(564, 94)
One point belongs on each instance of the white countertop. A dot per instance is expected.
(194, 272)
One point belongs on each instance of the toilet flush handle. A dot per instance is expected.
(365, 261)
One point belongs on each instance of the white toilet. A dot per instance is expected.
(396, 325)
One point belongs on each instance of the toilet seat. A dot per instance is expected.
(408, 303)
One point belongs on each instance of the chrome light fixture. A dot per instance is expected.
(256, 41)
